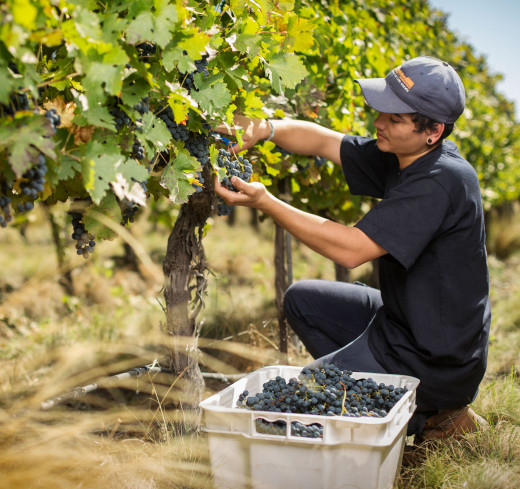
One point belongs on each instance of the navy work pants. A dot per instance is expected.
(332, 319)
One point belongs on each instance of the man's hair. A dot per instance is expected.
(422, 123)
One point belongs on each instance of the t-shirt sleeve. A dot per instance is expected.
(408, 218)
(364, 166)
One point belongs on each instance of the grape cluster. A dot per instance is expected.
(85, 241)
(7, 217)
(240, 168)
(187, 81)
(54, 118)
(145, 50)
(198, 147)
(324, 390)
(282, 151)
(138, 150)
(200, 179)
(179, 132)
(129, 209)
(143, 106)
(319, 161)
(17, 102)
(32, 184)
(121, 118)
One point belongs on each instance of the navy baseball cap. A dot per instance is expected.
(425, 84)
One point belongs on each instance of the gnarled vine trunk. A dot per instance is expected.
(185, 272)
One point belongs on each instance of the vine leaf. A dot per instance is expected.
(175, 178)
(99, 168)
(285, 71)
(66, 169)
(213, 98)
(154, 131)
(7, 84)
(107, 207)
(15, 137)
(134, 90)
(100, 76)
(97, 116)
(153, 26)
(247, 43)
(300, 33)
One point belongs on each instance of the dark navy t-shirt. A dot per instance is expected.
(434, 323)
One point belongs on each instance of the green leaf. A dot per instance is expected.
(285, 5)
(7, 84)
(285, 71)
(153, 27)
(213, 98)
(24, 138)
(108, 207)
(253, 106)
(173, 56)
(100, 165)
(248, 44)
(196, 44)
(180, 106)
(134, 90)
(97, 116)
(67, 169)
(103, 77)
(176, 181)
(154, 131)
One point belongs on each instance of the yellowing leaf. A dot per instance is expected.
(299, 33)
(24, 13)
(196, 44)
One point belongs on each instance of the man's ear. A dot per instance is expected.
(435, 133)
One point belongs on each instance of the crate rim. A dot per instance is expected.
(310, 418)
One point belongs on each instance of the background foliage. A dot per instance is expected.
(87, 59)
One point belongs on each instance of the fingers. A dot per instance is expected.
(250, 133)
(246, 195)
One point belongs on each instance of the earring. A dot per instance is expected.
(429, 141)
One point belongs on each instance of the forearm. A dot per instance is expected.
(347, 246)
(298, 137)
(306, 138)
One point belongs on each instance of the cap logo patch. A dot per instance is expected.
(405, 81)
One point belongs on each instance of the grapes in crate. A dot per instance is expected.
(323, 390)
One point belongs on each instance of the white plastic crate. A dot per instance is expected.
(354, 453)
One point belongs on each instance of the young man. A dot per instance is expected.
(431, 317)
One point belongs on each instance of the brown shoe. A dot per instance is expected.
(451, 422)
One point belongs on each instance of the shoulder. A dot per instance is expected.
(453, 168)
(359, 148)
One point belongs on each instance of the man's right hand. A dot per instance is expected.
(248, 195)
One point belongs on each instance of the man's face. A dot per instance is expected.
(396, 134)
